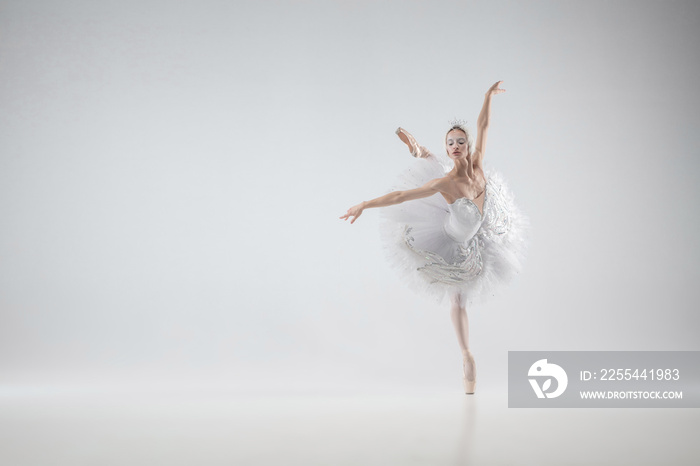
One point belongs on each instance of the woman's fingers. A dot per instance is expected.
(495, 89)
(348, 215)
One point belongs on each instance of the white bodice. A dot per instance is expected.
(464, 219)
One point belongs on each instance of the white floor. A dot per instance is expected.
(219, 428)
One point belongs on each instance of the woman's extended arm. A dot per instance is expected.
(395, 197)
(482, 123)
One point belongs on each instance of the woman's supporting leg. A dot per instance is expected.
(460, 321)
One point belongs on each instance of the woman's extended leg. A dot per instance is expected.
(416, 149)
(461, 323)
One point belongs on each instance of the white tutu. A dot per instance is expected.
(431, 260)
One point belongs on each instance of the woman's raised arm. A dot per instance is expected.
(395, 197)
(482, 123)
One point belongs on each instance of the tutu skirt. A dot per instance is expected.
(430, 261)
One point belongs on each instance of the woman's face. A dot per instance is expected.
(456, 143)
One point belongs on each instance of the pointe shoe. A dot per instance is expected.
(469, 383)
(417, 150)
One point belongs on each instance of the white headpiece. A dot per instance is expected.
(456, 122)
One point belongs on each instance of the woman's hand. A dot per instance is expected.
(355, 212)
(493, 90)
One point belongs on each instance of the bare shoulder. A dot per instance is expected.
(444, 185)
(440, 184)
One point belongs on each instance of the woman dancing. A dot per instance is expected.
(462, 234)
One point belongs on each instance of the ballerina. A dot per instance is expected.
(461, 235)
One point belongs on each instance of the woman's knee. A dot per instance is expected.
(457, 300)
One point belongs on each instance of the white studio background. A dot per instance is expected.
(172, 173)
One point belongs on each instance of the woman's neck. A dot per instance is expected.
(463, 167)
